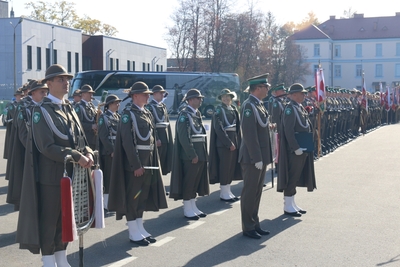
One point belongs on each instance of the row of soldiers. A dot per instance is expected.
(337, 120)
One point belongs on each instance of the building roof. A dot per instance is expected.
(357, 27)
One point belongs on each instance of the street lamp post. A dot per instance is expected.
(15, 57)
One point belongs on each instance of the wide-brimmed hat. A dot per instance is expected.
(226, 91)
(77, 92)
(158, 88)
(111, 99)
(56, 70)
(19, 92)
(296, 88)
(192, 93)
(86, 88)
(38, 85)
(140, 88)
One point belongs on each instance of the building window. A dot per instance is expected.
(111, 63)
(161, 69)
(47, 58)
(338, 52)
(128, 65)
(148, 66)
(157, 66)
(76, 62)
(359, 70)
(29, 57)
(397, 70)
(316, 50)
(358, 50)
(69, 61)
(133, 65)
(378, 70)
(117, 64)
(315, 69)
(398, 49)
(144, 66)
(378, 50)
(338, 71)
(54, 56)
(38, 58)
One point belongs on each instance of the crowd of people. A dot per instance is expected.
(136, 148)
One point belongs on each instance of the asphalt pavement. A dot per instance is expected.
(352, 220)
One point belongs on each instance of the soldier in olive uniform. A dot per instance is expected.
(224, 146)
(11, 109)
(77, 97)
(164, 134)
(189, 176)
(55, 133)
(87, 114)
(296, 166)
(136, 185)
(254, 154)
(108, 122)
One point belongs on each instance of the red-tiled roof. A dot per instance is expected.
(353, 28)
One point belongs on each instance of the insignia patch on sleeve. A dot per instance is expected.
(247, 113)
(20, 116)
(101, 121)
(36, 117)
(288, 111)
(182, 118)
(218, 110)
(125, 118)
(275, 104)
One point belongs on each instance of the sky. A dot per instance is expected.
(146, 21)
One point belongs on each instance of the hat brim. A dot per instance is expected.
(48, 77)
(141, 92)
(231, 94)
(302, 91)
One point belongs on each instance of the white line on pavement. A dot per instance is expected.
(122, 262)
(163, 241)
(194, 225)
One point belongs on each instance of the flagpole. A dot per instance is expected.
(319, 113)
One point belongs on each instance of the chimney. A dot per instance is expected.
(397, 14)
(358, 16)
(12, 13)
(332, 17)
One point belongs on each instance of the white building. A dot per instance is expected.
(347, 48)
(29, 47)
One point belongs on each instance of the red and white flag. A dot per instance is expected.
(320, 84)
(364, 100)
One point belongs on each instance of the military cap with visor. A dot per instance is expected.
(260, 79)
(278, 87)
(56, 70)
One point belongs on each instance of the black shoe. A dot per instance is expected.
(228, 200)
(142, 242)
(193, 218)
(202, 215)
(262, 232)
(294, 214)
(252, 234)
(302, 211)
(151, 239)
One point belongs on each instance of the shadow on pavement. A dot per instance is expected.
(7, 239)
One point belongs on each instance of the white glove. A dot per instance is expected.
(259, 165)
(299, 151)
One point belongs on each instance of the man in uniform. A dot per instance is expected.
(136, 185)
(87, 114)
(11, 109)
(77, 97)
(164, 134)
(224, 144)
(254, 154)
(189, 176)
(54, 134)
(108, 123)
(296, 166)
